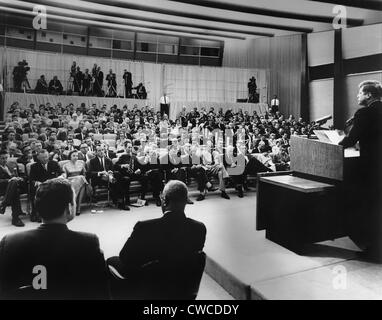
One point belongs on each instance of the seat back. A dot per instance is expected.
(110, 136)
(165, 280)
(62, 163)
(98, 137)
(110, 143)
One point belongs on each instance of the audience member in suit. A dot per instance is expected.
(128, 165)
(44, 169)
(26, 156)
(172, 237)
(11, 185)
(365, 225)
(82, 155)
(41, 86)
(101, 174)
(55, 86)
(91, 145)
(73, 261)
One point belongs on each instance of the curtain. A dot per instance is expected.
(212, 84)
(182, 83)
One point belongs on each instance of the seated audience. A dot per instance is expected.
(43, 169)
(11, 185)
(101, 174)
(75, 172)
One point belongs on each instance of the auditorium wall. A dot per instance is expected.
(321, 99)
(361, 50)
(321, 53)
(284, 59)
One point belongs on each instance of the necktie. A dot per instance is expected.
(102, 163)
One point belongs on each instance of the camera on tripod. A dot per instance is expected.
(20, 76)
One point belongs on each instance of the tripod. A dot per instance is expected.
(70, 84)
(25, 84)
(110, 90)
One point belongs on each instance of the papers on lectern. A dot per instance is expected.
(329, 136)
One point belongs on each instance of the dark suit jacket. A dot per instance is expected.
(367, 129)
(172, 236)
(110, 154)
(38, 172)
(74, 263)
(95, 166)
(62, 135)
(4, 176)
(125, 159)
(80, 136)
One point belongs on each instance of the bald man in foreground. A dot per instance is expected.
(169, 239)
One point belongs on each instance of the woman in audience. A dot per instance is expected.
(75, 172)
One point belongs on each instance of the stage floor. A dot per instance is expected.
(241, 259)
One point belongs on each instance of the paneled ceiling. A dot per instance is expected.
(210, 19)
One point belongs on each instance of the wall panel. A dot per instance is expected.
(282, 56)
(321, 99)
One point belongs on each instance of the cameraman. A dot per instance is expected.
(128, 83)
(20, 76)
(111, 84)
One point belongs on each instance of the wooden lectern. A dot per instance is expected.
(306, 204)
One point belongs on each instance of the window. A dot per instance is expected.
(74, 40)
(123, 45)
(19, 33)
(146, 47)
(49, 36)
(167, 48)
(101, 43)
(116, 44)
(191, 51)
(209, 52)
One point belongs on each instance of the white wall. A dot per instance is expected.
(361, 41)
(320, 48)
(321, 99)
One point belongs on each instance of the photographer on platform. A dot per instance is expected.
(20, 76)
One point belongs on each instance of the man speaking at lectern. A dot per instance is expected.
(366, 128)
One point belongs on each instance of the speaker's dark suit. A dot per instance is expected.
(172, 236)
(74, 263)
(366, 227)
